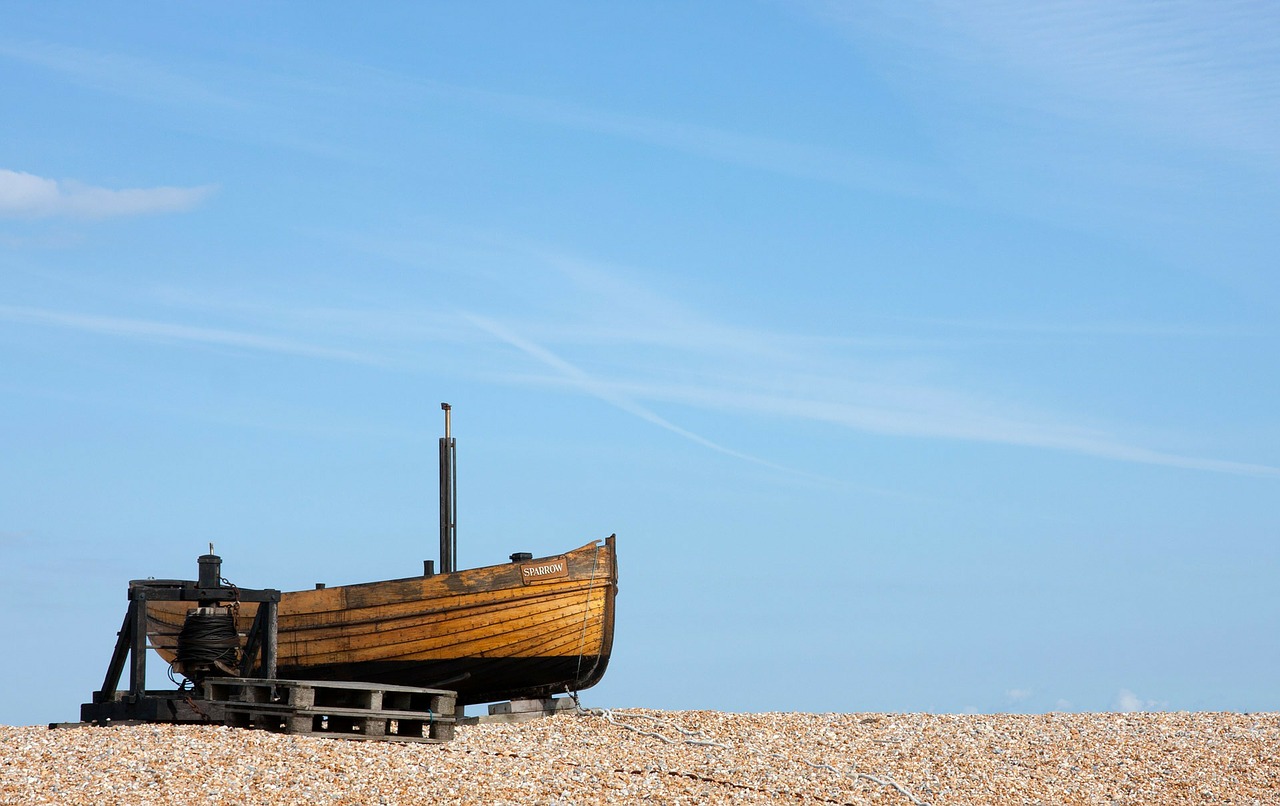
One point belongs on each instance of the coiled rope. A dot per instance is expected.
(206, 639)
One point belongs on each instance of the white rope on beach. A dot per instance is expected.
(691, 736)
(863, 775)
(698, 739)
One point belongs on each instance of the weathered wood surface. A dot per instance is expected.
(152, 706)
(336, 709)
(494, 633)
(505, 713)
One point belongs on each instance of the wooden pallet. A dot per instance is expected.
(182, 707)
(336, 709)
(522, 711)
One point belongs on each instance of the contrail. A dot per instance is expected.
(602, 391)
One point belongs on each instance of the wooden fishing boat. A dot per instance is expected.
(527, 628)
(524, 629)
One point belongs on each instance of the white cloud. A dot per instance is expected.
(1188, 70)
(1197, 72)
(770, 374)
(650, 352)
(151, 82)
(25, 195)
(1018, 694)
(1128, 702)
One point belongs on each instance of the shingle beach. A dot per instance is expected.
(632, 755)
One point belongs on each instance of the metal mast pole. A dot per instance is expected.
(448, 496)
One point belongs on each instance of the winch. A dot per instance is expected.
(209, 644)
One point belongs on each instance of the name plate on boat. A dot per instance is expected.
(544, 570)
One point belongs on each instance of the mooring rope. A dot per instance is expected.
(698, 739)
(693, 737)
(692, 776)
(586, 620)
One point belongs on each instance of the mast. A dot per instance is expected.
(448, 496)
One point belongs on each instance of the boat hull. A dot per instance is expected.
(521, 629)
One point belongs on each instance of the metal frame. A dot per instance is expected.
(131, 643)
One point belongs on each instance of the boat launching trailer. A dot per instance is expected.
(238, 687)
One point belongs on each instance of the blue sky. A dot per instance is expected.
(922, 355)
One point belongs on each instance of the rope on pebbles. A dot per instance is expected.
(691, 736)
(697, 738)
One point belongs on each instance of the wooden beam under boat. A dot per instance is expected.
(532, 628)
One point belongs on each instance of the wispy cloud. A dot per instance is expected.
(57, 240)
(116, 73)
(150, 82)
(220, 100)
(899, 409)
(770, 375)
(651, 354)
(606, 392)
(810, 161)
(1027, 327)
(26, 195)
(1128, 702)
(1207, 72)
(1188, 72)
(164, 331)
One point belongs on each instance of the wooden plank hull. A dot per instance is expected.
(529, 629)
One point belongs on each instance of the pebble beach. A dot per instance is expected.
(633, 755)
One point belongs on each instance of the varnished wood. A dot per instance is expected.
(504, 637)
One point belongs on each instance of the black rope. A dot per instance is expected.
(207, 638)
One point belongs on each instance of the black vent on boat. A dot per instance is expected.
(521, 556)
